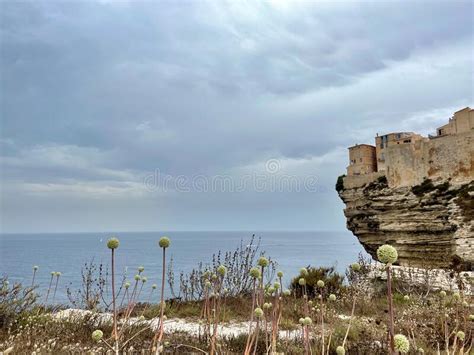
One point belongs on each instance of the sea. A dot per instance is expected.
(68, 252)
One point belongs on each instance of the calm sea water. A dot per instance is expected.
(67, 253)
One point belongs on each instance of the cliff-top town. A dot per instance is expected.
(406, 158)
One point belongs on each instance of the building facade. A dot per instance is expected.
(407, 158)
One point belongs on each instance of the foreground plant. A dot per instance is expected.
(388, 255)
(164, 243)
(113, 243)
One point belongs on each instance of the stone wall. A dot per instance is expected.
(356, 181)
(437, 159)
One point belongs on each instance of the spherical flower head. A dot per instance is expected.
(456, 296)
(401, 343)
(286, 293)
(460, 335)
(442, 294)
(144, 279)
(97, 335)
(127, 284)
(355, 267)
(310, 303)
(276, 285)
(113, 243)
(53, 273)
(258, 312)
(221, 270)
(207, 284)
(36, 267)
(465, 304)
(304, 271)
(262, 261)
(332, 297)
(213, 277)
(406, 298)
(280, 274)
(255, 273)
(420, 351)
(154, 286)
(320, 283)
(58, 274)
(307, 321)
(137, 277)
(471, 317)
(164, 242)
(206, 274)
(340, 350)
(302, 282)
(267, 305)
(387, 254)
(141, 268)
(301, 321)
(271, 290)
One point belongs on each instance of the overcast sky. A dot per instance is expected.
(101, 99)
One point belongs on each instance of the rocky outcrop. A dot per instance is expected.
(431, 224)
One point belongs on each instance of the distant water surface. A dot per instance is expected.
(67, 253)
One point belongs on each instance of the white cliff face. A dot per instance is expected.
(431, 224)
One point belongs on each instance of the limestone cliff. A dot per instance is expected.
(430, 224)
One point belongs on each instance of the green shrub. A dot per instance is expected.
(340, 183)
(332, 280)
(425, 187)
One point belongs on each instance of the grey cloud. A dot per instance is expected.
(103, 93)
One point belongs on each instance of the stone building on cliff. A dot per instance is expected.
(407, 158)
(415, 193)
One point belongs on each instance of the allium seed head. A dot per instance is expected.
(263, 261)
(207, 284)
(36, 267)
(355, 267)
(301, 320)
(302, 282)
(113, 243)
(465, 304)
(320, 283)
(154, 286)
(387, 254)
(97, 335)
(332, 297)
(471, 317)
(144, 279)
(286, 293)
(310, 303)
(267, 305)
(280, 274)
(456, 296)
(271, 290)
(58, 274)
(276, 285)
(401, 343)
(406, 298)
(420, 350)
(304, 271)
(141, 268)
(53, 273)
(127, 284)
(255, 273)
(258, 312)
(460, 335)
(307, 321)
(164, 242)
(137, 277)
(442, 294)
(221, 270)
(340, 350)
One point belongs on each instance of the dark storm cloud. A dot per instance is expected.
(97, 95)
